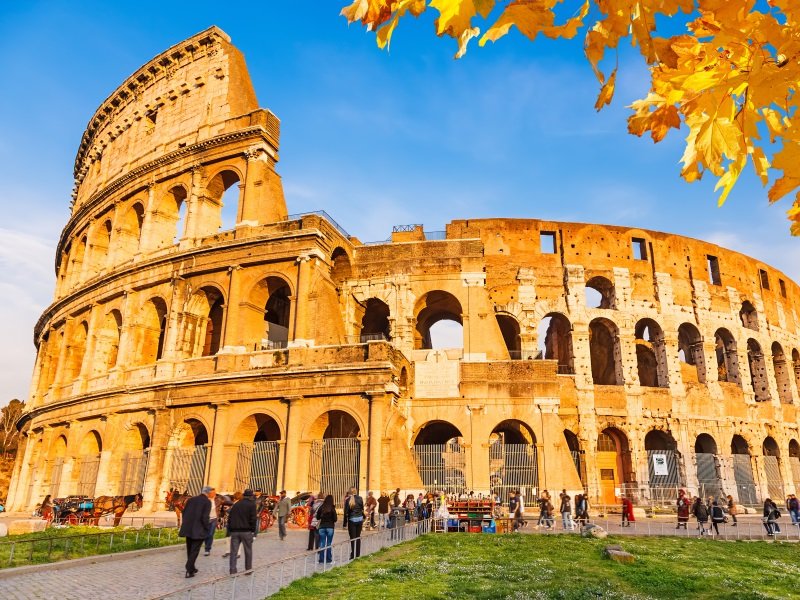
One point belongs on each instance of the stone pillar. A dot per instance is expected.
(20, 475)
(89, 349)
(300, 323)
(157, 476)
(380, 404)
(297, 451)
(146, 242)
(218, 471)
(233, 336)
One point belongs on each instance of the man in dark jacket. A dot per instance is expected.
(195, 524)
(242, 523)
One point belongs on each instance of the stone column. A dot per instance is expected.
(157, 476)
(300, 324)
(380, 403)
(232, 336)
(218, 472)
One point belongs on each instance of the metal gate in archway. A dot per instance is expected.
(774, 479)
(743, 475)
(133, 471)
(794, 462)
(257, 467)
(88, 468)
(334, 466)
(188, 469)
(663, 474)
(441, 467)
(708, 479)
(513, 467)
(55, 476)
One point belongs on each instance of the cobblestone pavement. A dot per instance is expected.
(144, 576)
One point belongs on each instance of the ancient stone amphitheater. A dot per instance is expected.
(199, 334)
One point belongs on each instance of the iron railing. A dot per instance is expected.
(324, 215)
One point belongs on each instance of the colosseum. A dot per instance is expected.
(201, 334)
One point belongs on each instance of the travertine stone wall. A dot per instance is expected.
(168, 333)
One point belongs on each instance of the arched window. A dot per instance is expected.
(781, 369)
(375, 323)
(651, 354)
(129, 232)
(222, 191)
(438, 317)
(340, 266)
(555, 342)
(276, 313)
(77, 350)
(749, 316)
(152, 329)
(76, 259)
(600, 293)
(690, 354)
(727, 359)
(605, 353)
(758, 371)
(213, 328)
(107, 345)
(509, 328)
(796, 369)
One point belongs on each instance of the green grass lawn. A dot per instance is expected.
(519, 567)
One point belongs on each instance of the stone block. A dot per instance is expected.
(21, 526)
(591, 530)
(3, 530)
(617, 554)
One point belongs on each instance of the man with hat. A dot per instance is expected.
(195, 525)
(282, 510)
(242, 523)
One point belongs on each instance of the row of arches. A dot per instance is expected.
(145, 225)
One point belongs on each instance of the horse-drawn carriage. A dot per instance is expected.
(83, 510)
(176, 501)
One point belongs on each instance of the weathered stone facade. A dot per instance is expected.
(284, 353)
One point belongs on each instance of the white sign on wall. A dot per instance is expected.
(660, 464)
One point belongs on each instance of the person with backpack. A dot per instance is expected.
(327, 517)
(717, 516)
(566, 511)
(700, 512)
(793, 507)
(771, 516)
(354, 520)
(383, 510)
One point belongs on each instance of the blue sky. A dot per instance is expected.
(374, 138)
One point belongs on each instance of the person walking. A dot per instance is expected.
(793, 507)
(717, 516)
(213, 519)
(771, 516)
(580, 507)
(282, 510)
(354, 519)
(566, 511)
(327, 516)
(242, 524)
(383, 510)
(396, 500)
(513, 510)
(314, 502)
(700, 512)
(234, 499)
(683, 506)
(370, 506)
(732, 510)
(195, 525)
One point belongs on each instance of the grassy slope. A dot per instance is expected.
(533, 566)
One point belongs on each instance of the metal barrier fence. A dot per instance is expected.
(268, 579)
(188, 469)
(334, 466)
(49, 549)
(442, 466)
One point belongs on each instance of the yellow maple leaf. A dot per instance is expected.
(606, 92)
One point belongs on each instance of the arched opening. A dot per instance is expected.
(743, 471)
(512, 460)
(188, 468)
(168, 220)
(213, 335)
(403, 382)
(440, 457)
(375, 323)
(77, 258)
(57, 453)
(509, 328)
(690, 354)
(758, 371)
(152, 329)
(341, 269)
(727, 358)
(651, 354)
(257, 457)
(772, 466)
(794, 462)
(709, 478)
(574, 445)
(222, 191)
(555, 342)
(781, 369)
(88, 464)
(600, 293)
(98, 248)
(796, 369)
(336, 458)
(202, 321)
(438, 322)
(107, 344)
(77, 350)
(663, 466)
(748, 315)
(605, 354)
(129, 232)
(614, 464)
(135, 450)
(276, 313)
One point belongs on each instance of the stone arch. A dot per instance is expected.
(748, 315)
(659, 440)
(758, 371)
(574, 447)
(772, 467)
(129, 232)
(257, 427)
(662, 448)
(513, 431)
(58, 448)
(796, 367)
(107, 342)
(136, 437)
(651, 354)
(781, 369)
(600, 293)
(705, 444)
(605, 352)
(341, 268)
(77, 351)
(152, 326)
(436, 432)
(269, 323)
(225, 203)
(690, 354)
(739, 445)
(614, 463)
(190, 432)
(375, 324)
(770, 447)
(794, 449)
(510, 330)
(77, 258)
(555, 341)
(99, 244)
(335, 423)
(430, 309)
(203, 320)
(727, 357)
(402, 382)
(91, 443)
(168, 219)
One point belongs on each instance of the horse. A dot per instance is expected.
(176, 501)
(104, 505)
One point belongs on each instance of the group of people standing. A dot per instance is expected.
(718, 511)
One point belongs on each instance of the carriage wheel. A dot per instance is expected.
(72, 519)
(300, 517)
